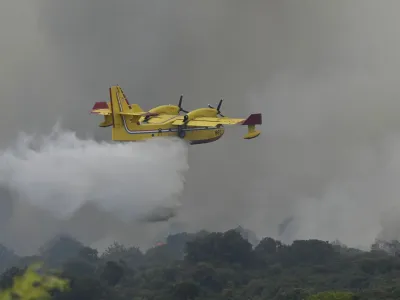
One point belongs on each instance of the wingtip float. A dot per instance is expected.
(203, 125)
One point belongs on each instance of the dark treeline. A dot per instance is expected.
(217, 265)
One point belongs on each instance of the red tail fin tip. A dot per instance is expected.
(253, 119)
(100, 105)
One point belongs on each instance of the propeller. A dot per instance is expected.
(180, 105)
(218, 107)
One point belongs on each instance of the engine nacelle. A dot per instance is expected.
(165, 109)
(200, 112)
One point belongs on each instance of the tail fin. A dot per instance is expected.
(136, 108)
(118, 105)
(120, 109)
(133, 107)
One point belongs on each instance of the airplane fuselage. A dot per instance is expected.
(160, 127)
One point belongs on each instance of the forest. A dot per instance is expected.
(215, 266)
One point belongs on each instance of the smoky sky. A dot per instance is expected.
(324, 74)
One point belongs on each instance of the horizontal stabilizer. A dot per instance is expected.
(101, 108)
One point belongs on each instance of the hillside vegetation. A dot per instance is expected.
(215, 266)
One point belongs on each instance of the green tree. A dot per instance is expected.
(186, 290)
(267, 246)
(34, 284)
(112, 273)
(7, 278)
(308, 251)
(227, 247)
(89, 254)
(221, 266)
(333, 295)
(78, 268)
(7, 257)
(86, 289)
(117, 252)
(60, 249)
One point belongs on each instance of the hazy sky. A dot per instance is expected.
(323, 73)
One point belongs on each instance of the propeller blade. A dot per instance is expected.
(180, 101)
(180, 105)
(219, 104)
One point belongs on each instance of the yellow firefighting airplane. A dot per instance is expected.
(131, 123)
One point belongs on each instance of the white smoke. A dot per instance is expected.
(331, 162)
(60, 173)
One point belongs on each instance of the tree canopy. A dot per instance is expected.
(215, 265)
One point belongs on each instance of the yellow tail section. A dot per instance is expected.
(136, 108)
(108, 121)
(104, 109)
(133, 107)
(118, 106)
(125, 117)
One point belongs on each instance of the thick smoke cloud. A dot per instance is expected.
(324, 74)
(61, 173)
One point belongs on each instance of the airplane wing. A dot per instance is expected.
(101, 108)
(250, 122)
(253, 119)
(138, 114)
